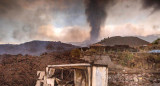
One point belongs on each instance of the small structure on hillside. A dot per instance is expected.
(98, 47)
(83, 74)
(104, 48)
(84, 48)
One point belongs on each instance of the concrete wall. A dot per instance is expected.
(99, 76)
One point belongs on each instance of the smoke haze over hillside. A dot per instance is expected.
(76, 20)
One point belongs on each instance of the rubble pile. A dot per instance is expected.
(134, 79)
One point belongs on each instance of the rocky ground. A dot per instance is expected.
(19, 70)
(124, 76)
(134, 79)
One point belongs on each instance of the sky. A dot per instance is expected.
(67, 20)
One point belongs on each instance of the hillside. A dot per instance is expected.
(150, 38)
(18, 70)
(118, 40)
(35, 48)
(157, 41)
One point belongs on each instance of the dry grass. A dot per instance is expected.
(136, 60)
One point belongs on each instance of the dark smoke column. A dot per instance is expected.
(96, 14)
(151, 3)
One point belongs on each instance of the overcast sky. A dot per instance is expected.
(65, 20)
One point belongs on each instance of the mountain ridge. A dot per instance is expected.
(127, 40)
(35, 47)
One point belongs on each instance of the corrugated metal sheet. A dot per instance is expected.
(154, 51)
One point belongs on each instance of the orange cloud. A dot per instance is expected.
(127, 30)
(76, 34)
(67, 34)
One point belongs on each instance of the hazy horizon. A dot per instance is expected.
(66, 20)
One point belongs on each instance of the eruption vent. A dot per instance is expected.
(96, 14)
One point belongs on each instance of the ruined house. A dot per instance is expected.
(82, 74)
(98, 47)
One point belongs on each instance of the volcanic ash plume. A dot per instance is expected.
(96, 14)
(152, 3)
